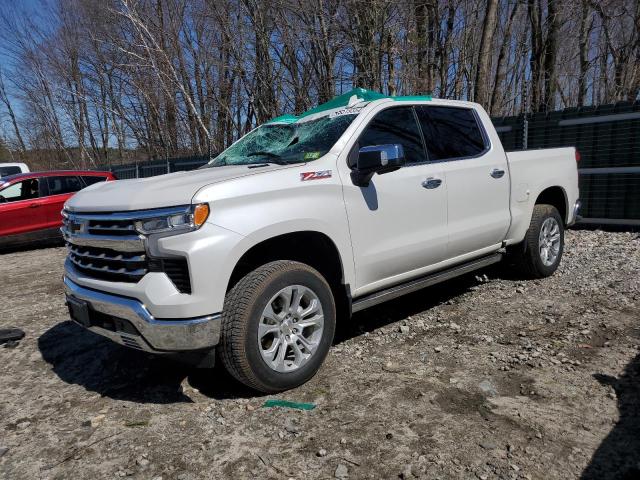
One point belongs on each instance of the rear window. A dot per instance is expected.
(64, 184)
(4, 171)
(450, 132)
(90, 180)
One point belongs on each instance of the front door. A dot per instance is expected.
(21, 208)
(398, 223)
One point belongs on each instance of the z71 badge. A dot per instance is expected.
(322, 174)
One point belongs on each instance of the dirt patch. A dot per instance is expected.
(495, 377)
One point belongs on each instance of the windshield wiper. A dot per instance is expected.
(263, 152)
(274, 156)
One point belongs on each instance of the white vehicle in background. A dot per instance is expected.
(7, 169)
(305, 220)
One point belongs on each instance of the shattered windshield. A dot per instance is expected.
(296, 142)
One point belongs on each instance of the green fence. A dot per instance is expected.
(152, 168)
(608, 139)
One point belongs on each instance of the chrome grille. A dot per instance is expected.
(111, 227)
(107, 246)
(108, 264)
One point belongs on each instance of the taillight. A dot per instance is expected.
(577, 156)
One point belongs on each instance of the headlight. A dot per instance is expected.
(178, 220)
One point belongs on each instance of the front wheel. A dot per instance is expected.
(277, 326)
(539, 254)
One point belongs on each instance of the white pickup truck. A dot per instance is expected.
(305, 220)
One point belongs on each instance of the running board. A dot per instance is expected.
(417, 284)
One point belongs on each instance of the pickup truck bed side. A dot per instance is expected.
(533, 172)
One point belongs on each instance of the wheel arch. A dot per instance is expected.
(557, 197)
(311, 247)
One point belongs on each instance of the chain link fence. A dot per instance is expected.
(607, 136)
(155, 167)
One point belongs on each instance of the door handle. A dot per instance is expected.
(431, 183)
(34, 205)
(497, 173)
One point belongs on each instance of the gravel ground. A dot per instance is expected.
(486, 376)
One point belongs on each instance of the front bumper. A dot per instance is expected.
(128, 322)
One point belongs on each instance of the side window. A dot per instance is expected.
(67, 184)
(91, 179)
(395, 125)
(450, 132)
(4, 171)
(25, 190)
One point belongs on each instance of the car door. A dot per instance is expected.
(398, 223)
(477, 177)
(60, 189)
(21, 207)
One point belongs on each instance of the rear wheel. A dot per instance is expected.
(539, 254)
(277, 326)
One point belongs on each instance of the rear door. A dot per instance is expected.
(21, 207)
(60, 189)
(477, 177)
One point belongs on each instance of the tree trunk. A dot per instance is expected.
(482, 80)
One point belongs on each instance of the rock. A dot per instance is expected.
(3, 451)
(23, 425)
(321, 453)
(437, 349)
(341, 471)
(404, 329)
(488, 445)
(290, 426)
(487, 388)
(406, 472)
(389, 436)
(392, 367)
(94, 422)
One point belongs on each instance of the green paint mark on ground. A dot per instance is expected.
(288, 404)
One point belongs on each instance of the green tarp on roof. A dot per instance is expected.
(343, 101)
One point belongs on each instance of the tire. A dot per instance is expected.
(528, 255)
(246, 356)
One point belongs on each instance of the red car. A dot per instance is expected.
(30, 203)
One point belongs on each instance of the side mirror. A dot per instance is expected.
(376, 159)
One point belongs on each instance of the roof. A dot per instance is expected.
(13, 164)
(353, 97)
(52, 173)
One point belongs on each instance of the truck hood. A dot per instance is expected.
(156, 192)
